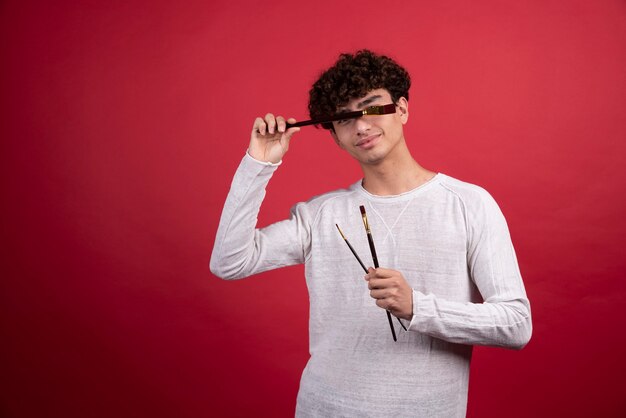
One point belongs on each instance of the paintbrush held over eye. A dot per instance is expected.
(372, 110)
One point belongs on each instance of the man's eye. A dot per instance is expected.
(343, 121)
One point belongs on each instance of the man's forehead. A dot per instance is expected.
(365, 100)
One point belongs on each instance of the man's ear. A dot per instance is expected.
(334, 135)
(403, 108)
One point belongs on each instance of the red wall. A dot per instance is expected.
(122, 123)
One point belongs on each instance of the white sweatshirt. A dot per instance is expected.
(450, 241)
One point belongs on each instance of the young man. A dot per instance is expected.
(448, 268)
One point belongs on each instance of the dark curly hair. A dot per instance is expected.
(352, 77)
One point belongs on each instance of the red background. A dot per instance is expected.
(123, 122)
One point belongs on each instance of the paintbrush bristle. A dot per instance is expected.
(341, 232)
(364, 216)
(380, 110)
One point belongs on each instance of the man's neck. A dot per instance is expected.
(394, 176)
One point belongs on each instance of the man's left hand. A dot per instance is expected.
(391, 291)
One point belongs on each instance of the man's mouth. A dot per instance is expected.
(368, 141)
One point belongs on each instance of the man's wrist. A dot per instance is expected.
(269, 163)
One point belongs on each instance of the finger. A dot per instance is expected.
(271, 122)
(380, 284)
(378, 294)
(281, 124)
(383, 272)
(374, 284)
(388, 304)
(259, 126)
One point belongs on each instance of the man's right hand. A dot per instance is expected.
(270, 139)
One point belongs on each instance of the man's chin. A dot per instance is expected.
(373, 159)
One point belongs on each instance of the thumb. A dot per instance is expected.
(291, 131)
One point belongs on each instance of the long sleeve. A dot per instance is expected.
(503, 317)
(240, 249)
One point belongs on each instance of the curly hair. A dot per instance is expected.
(352, 77)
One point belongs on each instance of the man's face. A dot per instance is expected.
(370, 139)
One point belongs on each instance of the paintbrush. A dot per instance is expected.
(372, 110)
(352, 249)
(370, 240)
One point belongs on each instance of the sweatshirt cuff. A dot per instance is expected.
(413, 324)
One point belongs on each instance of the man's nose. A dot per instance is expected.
(362, 125)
